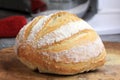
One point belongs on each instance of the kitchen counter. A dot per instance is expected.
(8, 42)
(12, 69)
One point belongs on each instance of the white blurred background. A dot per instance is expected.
(107, 20)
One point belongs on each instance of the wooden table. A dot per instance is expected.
(12, 69)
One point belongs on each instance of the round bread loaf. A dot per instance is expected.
(60, 43)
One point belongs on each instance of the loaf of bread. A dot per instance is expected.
(60, 43)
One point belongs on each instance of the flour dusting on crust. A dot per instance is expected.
(78, 53)
(63, 32)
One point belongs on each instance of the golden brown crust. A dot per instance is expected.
(35, 58)
(80, 38)
(56, 21)
(44, 64)
(27, 31)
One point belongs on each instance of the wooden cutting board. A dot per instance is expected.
(12, 69)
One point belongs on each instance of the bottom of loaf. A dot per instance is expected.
(62, 68)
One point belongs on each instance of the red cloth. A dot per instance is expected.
(38, 5)
(10, 26)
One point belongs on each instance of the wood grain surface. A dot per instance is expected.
(12, 69)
